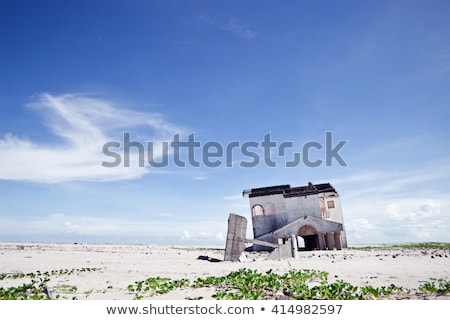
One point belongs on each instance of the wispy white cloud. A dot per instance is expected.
(418, 219)
(396, 205)
(78, 227)
(396, 183)
(203, 237)
(233, 197)
(220, 237)
(186, 235)
(84, 124)
(377, 220)
(358, 227)
(231, 26)
(410, 210)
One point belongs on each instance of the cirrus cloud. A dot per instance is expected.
(83, 125)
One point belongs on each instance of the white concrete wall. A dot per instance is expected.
(273, 216)
(336, 214)
(275, 199)
(298, 207)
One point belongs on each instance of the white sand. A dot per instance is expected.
(122, 265)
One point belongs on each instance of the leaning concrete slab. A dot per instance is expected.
(237, 229)
(261, 243)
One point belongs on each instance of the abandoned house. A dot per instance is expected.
(311, 213)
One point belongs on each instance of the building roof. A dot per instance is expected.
(287, 191)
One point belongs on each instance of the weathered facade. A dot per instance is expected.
(312, 212)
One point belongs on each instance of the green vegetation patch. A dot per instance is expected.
(156, 286)
(37, 288)
(424, 245)
(418, 245)
(243, 284)
(247, 284)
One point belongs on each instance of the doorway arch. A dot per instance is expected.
(310, 237)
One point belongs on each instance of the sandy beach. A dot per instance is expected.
(103, 272)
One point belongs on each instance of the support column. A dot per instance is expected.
(294, 246)
(337, 240)
(321, 241)
(329, 240)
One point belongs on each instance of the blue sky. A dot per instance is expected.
(75, 75)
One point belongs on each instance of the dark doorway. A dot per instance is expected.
(309, 235)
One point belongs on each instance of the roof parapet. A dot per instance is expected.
(288, 191)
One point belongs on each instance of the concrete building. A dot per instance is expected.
(311, 213)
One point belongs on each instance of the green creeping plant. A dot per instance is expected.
(37, 289)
